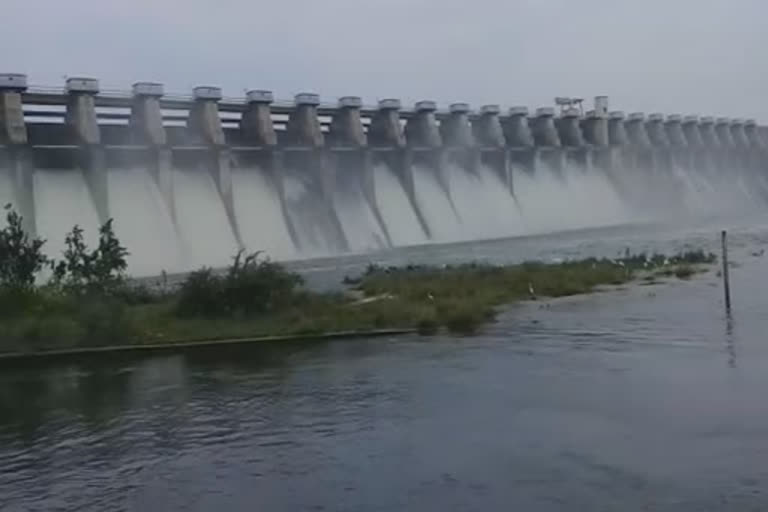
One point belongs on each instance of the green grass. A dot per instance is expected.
(460, 299)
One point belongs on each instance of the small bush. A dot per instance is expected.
(99, 271)
(684, 272)
(250, 286)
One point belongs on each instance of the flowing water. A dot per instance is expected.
(143, 222)
(259, 214)
(63, 201)
(396, 209)
(643, 399)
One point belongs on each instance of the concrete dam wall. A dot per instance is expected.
(190, 180)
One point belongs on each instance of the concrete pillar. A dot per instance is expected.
(147, 128)
(256, 122)
(674, 130)
(740, 139)
(752, 134)
(544, 131)
(517, 132)
(386, 132)
(595, 127)
(13, 134)
(656, 131)
(421, 129)
(204, 124)
(617, 134)
(487, 128)
(456, 130)
(569, 129)
(303, 124)
(347, 125)
(516, 129)
(709, 137)
(489, 135)
(82, 121)
(13, 131)
(691, 132)
(385, 128)
(204, 121)
(723, 130)
(636, 132)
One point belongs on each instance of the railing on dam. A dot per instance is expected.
(81, 126)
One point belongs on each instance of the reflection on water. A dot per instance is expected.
(648, 398)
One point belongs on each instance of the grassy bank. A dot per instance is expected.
(255, 297)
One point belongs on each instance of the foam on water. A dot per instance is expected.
(206, 233)
(62, 200)
(396, 209)
(260, 214)
(143, 223)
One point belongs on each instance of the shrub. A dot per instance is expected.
(21, 258)
(99, 271)
(250, 286)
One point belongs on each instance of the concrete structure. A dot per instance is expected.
(256, 124)
(569, 130)
(656, 131)
(147, 129)
(421, 130)
(336, 147)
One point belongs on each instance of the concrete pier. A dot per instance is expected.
(595, 128)
(723, 131)
(147, 129)
(83, 124)
(678, 144)
(351, 161)
(517, 133)
(617, 140)
(547, 140)
(13, 135)
(204, 125)
(256, 123)
(421, 130)
(640, 150)
(387, 137)
(303, 127)
(458, 138)
(572, 139)
(347, 127)
(489, 135)
(426, 144)
(662, 153)
(699, 157)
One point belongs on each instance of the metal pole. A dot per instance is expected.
(726, 281)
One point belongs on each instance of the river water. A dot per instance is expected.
(643, 399)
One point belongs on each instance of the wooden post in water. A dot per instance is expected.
(726, 281)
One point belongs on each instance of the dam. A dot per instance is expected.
(190, 180)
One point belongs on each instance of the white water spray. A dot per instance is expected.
(205, 230)
(396, 209)
(260, 215)
(143, 222)
(62, 200)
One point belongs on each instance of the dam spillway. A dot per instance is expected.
(190, 180)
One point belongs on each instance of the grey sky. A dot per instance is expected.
(674, 56)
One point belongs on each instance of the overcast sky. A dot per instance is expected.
(672, 56)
